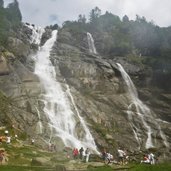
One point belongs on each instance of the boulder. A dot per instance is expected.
(41, 161)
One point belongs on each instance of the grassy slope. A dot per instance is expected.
(20, 157)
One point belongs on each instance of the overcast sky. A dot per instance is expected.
(46, 12)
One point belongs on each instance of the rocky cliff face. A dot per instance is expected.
(96, 84)
(101, 95)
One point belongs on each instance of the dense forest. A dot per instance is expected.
(139, 40)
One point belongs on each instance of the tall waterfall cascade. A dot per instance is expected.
(91, 44)
(37, 33)
(137, 109)
(59, 105)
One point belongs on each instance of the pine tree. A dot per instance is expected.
(1, 3)
(94, 14)
(14, 11)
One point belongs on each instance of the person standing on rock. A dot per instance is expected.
(87, 153)
(75, 153)
(121, 155)
(32, 141)
(81, 150)
(8, 139)
(151, 158)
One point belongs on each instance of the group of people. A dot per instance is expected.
(7, 138)
(149, 159)
(123, 157)
(81, 153)
(108, 158)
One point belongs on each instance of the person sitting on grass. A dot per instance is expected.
(1, 156)
(145, 159)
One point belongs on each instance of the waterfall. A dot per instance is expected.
(137, 109)
(40, 126)
(64, 119)
(91, 45)
(88, 137)
(36, 34)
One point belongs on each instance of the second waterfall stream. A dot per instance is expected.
(59, 105)
(137, 109)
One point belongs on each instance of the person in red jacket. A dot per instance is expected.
(75, 153)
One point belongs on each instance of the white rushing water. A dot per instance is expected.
(91, 45)
(37, 33)
(40, 125)
(137, 109)
(64, 122)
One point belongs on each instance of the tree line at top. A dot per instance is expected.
(113, 36)
(124, 37)
(10, 20)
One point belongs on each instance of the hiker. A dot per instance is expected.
(81, 151)
(104, 154)
(108, 158)
(151, 158)
(87, 153)
(145, 159)
(1, 139)
(1, 156)
(16, 137)
(75, 153)
(121, 155)
(6, 132)
(32, 141)
(126, 157)
(8, 139)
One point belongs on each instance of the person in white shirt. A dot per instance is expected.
(6, 132)
(121, 155)
(87, 153)
(151, 158)
(8, 140)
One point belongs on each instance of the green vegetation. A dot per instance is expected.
(10, 18)
(4, 109)
(24, 168)
(101, 168)
(4, 101)
(20, 159)
(123, 37)
(158, 167)
(137, 167)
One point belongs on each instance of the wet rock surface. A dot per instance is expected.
(97, 87)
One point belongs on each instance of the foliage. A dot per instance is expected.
(94, 15)
(53, 27)
(4, 102)
(1, 3)
(22, 168)
(82, 19)
(116, 37)
(137, 60)
(146, 167)
(10, 18)
(101, 168)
